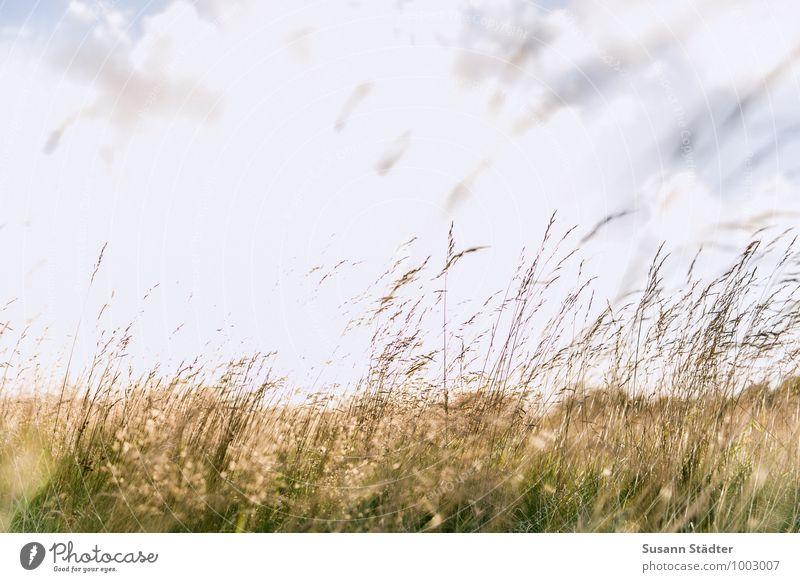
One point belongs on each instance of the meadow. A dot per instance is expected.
(676, 410)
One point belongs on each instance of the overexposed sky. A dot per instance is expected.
(225, 149)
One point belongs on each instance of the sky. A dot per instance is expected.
(226, 155)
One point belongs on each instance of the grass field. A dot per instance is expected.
(678, 411)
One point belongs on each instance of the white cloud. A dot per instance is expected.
(81, 11)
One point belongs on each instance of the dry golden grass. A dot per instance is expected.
(675, 412)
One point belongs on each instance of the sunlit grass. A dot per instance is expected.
(679, 411)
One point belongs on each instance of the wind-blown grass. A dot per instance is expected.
(678, 411)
